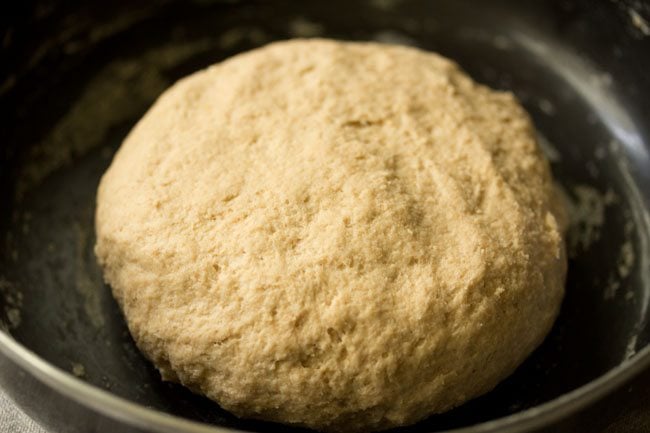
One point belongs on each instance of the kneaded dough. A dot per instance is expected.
(344, 236)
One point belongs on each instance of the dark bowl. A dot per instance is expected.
(76, 76)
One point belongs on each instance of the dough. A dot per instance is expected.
(344, 236)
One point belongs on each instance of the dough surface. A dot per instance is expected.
(345, 236)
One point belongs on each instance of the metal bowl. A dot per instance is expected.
(76, 76)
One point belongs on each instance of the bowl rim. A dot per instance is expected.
(136, 415)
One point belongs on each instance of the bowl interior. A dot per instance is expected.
(98, 71)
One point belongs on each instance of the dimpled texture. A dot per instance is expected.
(344, 236)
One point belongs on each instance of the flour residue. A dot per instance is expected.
(549, 150)
(87, 286)
(303, 28)
(639, 22)
(635, 11)
(119, 93)
(547, 107)
(636, 227)
(586, 206)
(13, 303)
(78, 369)
(600, 153)
(626, 259)
(630, 349)
(394, 37)
(624, 265)
(587, 210)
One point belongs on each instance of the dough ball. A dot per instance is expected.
(344, 236)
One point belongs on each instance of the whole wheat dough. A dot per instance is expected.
(345, 236)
